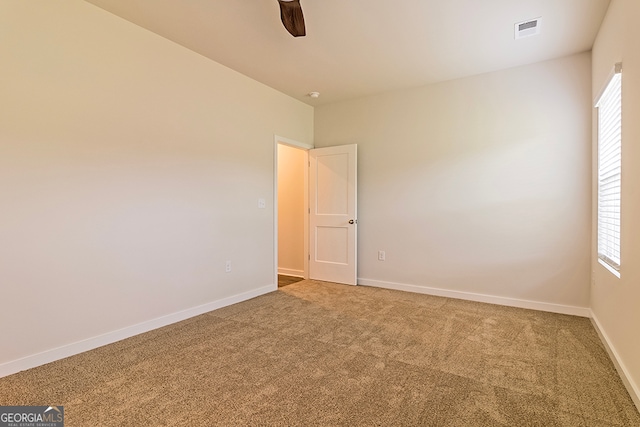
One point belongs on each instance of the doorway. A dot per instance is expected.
(291, 193)
(332, 253)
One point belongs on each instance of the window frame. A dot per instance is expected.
(609, 172)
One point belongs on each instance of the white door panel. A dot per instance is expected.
(332, 218)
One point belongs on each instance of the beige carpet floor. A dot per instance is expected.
(322, 354)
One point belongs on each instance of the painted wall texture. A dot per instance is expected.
(478, 185)
(292, 165)
(614, 301)
(130, 172)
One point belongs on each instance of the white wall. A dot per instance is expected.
(130, 170)
(292, 164)
(615, 302)
(476, 186)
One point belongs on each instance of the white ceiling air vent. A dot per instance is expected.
(527, 28)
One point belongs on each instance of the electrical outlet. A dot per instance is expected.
(381, 256)
(227, 267)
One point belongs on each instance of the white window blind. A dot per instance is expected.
(609, 170)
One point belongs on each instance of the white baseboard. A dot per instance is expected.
(290, 272)
(511, 302)
(632, 387)
(58, 353)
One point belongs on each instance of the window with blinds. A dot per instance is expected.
(609, 167)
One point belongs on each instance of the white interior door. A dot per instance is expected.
(332, 214)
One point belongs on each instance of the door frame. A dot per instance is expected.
(306, 147)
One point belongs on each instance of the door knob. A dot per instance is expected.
(351, 221)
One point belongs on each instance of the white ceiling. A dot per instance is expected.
(355, 48)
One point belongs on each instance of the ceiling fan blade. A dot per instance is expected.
(292, 17)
